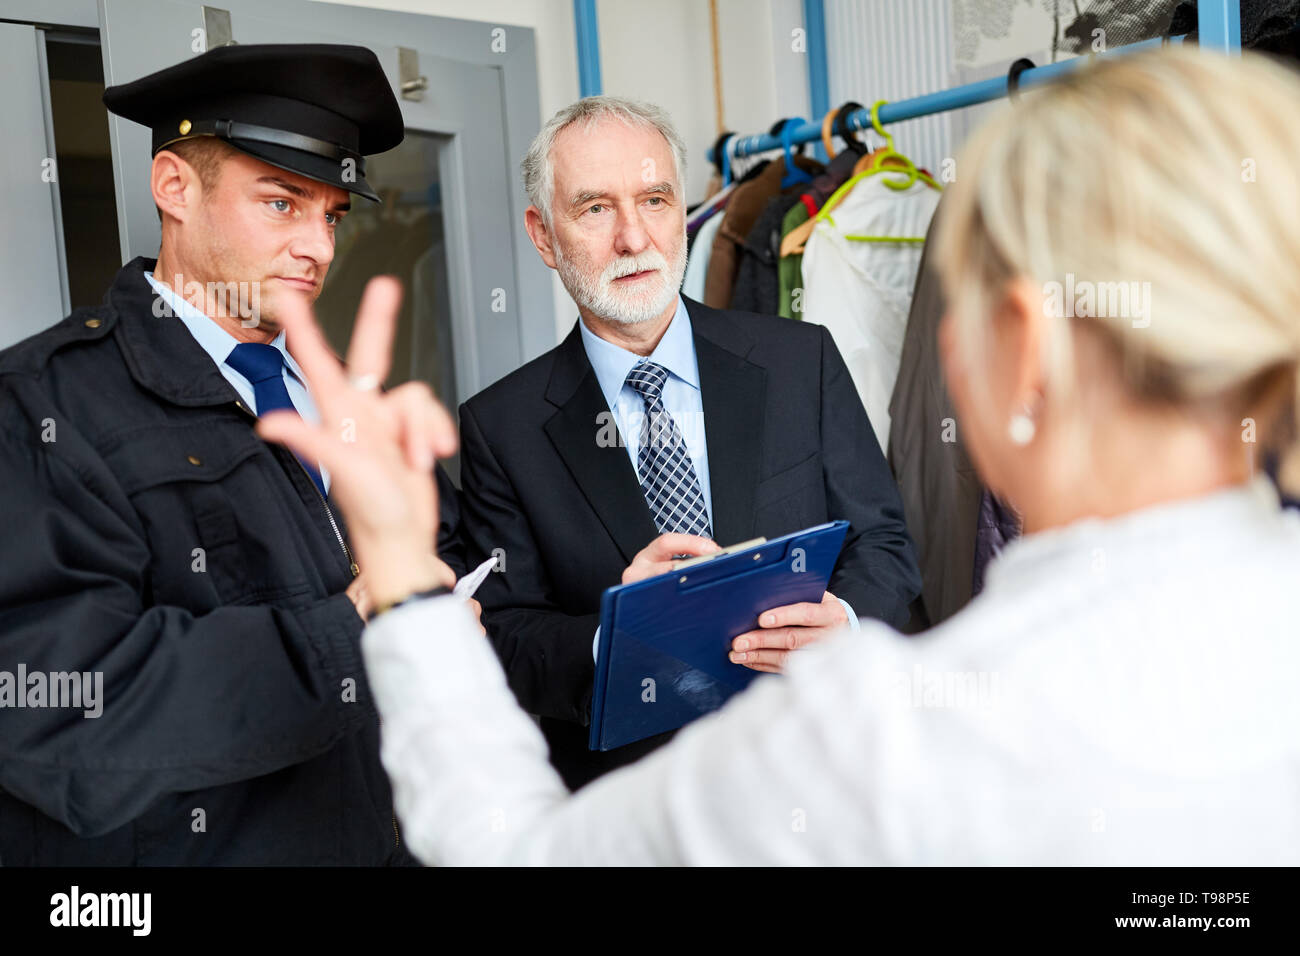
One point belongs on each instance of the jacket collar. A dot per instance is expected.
(159, 351)
(732, 392)
(163, 356)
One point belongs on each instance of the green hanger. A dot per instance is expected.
(900, 177)
(908, 170)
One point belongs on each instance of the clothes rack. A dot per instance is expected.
(1219, 27)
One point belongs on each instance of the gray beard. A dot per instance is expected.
(597, 297)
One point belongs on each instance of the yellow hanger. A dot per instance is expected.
(875, 163)
(882, 156)
(883, 160)
(793, 242)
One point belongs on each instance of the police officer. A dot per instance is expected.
(156, 547)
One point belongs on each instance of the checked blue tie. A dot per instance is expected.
(668, 479)
(263, 366)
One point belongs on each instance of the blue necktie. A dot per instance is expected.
(668, 479)
(263, 366)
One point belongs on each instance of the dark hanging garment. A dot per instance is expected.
(747, 203)
(758, 283)
(998, 525)
(940, 490)
(1267, 26)
(1272, 464)
(757, 287)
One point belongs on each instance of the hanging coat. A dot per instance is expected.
(861, 291)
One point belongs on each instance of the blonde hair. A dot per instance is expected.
(1175, 170)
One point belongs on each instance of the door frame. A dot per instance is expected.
(508, 49)
(52, 13)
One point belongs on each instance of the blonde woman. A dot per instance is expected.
(1121, 692)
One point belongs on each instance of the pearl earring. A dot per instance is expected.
(1022, 429)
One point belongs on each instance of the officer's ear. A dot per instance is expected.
(182, 173)
(189, 168)
(176, 185)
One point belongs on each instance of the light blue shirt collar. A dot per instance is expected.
(216, 341)
(675, 352)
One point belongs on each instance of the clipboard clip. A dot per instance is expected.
(704, 558)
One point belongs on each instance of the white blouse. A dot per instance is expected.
(1122, 692)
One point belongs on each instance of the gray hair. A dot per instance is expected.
(539, 171)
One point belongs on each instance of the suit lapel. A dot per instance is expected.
(732, 391)
(602, 470)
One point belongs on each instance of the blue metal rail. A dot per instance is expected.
(1218, 26)
(819, 87)
(588, 38)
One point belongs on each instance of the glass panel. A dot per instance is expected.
(85, 165)
(403, 236)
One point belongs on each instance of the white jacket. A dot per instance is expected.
(862, 291)
(1122, 692)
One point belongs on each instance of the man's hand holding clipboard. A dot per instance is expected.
(780, 629)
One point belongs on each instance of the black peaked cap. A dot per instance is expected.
(316, 109)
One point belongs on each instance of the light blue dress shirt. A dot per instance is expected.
(681, 397)
(218, 343)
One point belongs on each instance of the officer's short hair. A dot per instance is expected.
(204, 154)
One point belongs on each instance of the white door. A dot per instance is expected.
(30, 250)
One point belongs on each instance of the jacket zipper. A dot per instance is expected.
(397, 838)
(329, 514)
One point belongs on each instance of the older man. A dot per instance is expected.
(757, 431)
(195, 579)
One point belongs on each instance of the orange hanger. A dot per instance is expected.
(881, 155)
(792, 242)
(885, 159)
(827, 122)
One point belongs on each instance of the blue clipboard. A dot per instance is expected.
(662, 660)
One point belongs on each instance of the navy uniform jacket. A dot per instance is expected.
(789, 446)
(150, 535)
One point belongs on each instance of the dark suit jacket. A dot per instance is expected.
(789, 446)
(451, 547)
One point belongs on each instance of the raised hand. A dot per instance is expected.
(379, 447)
